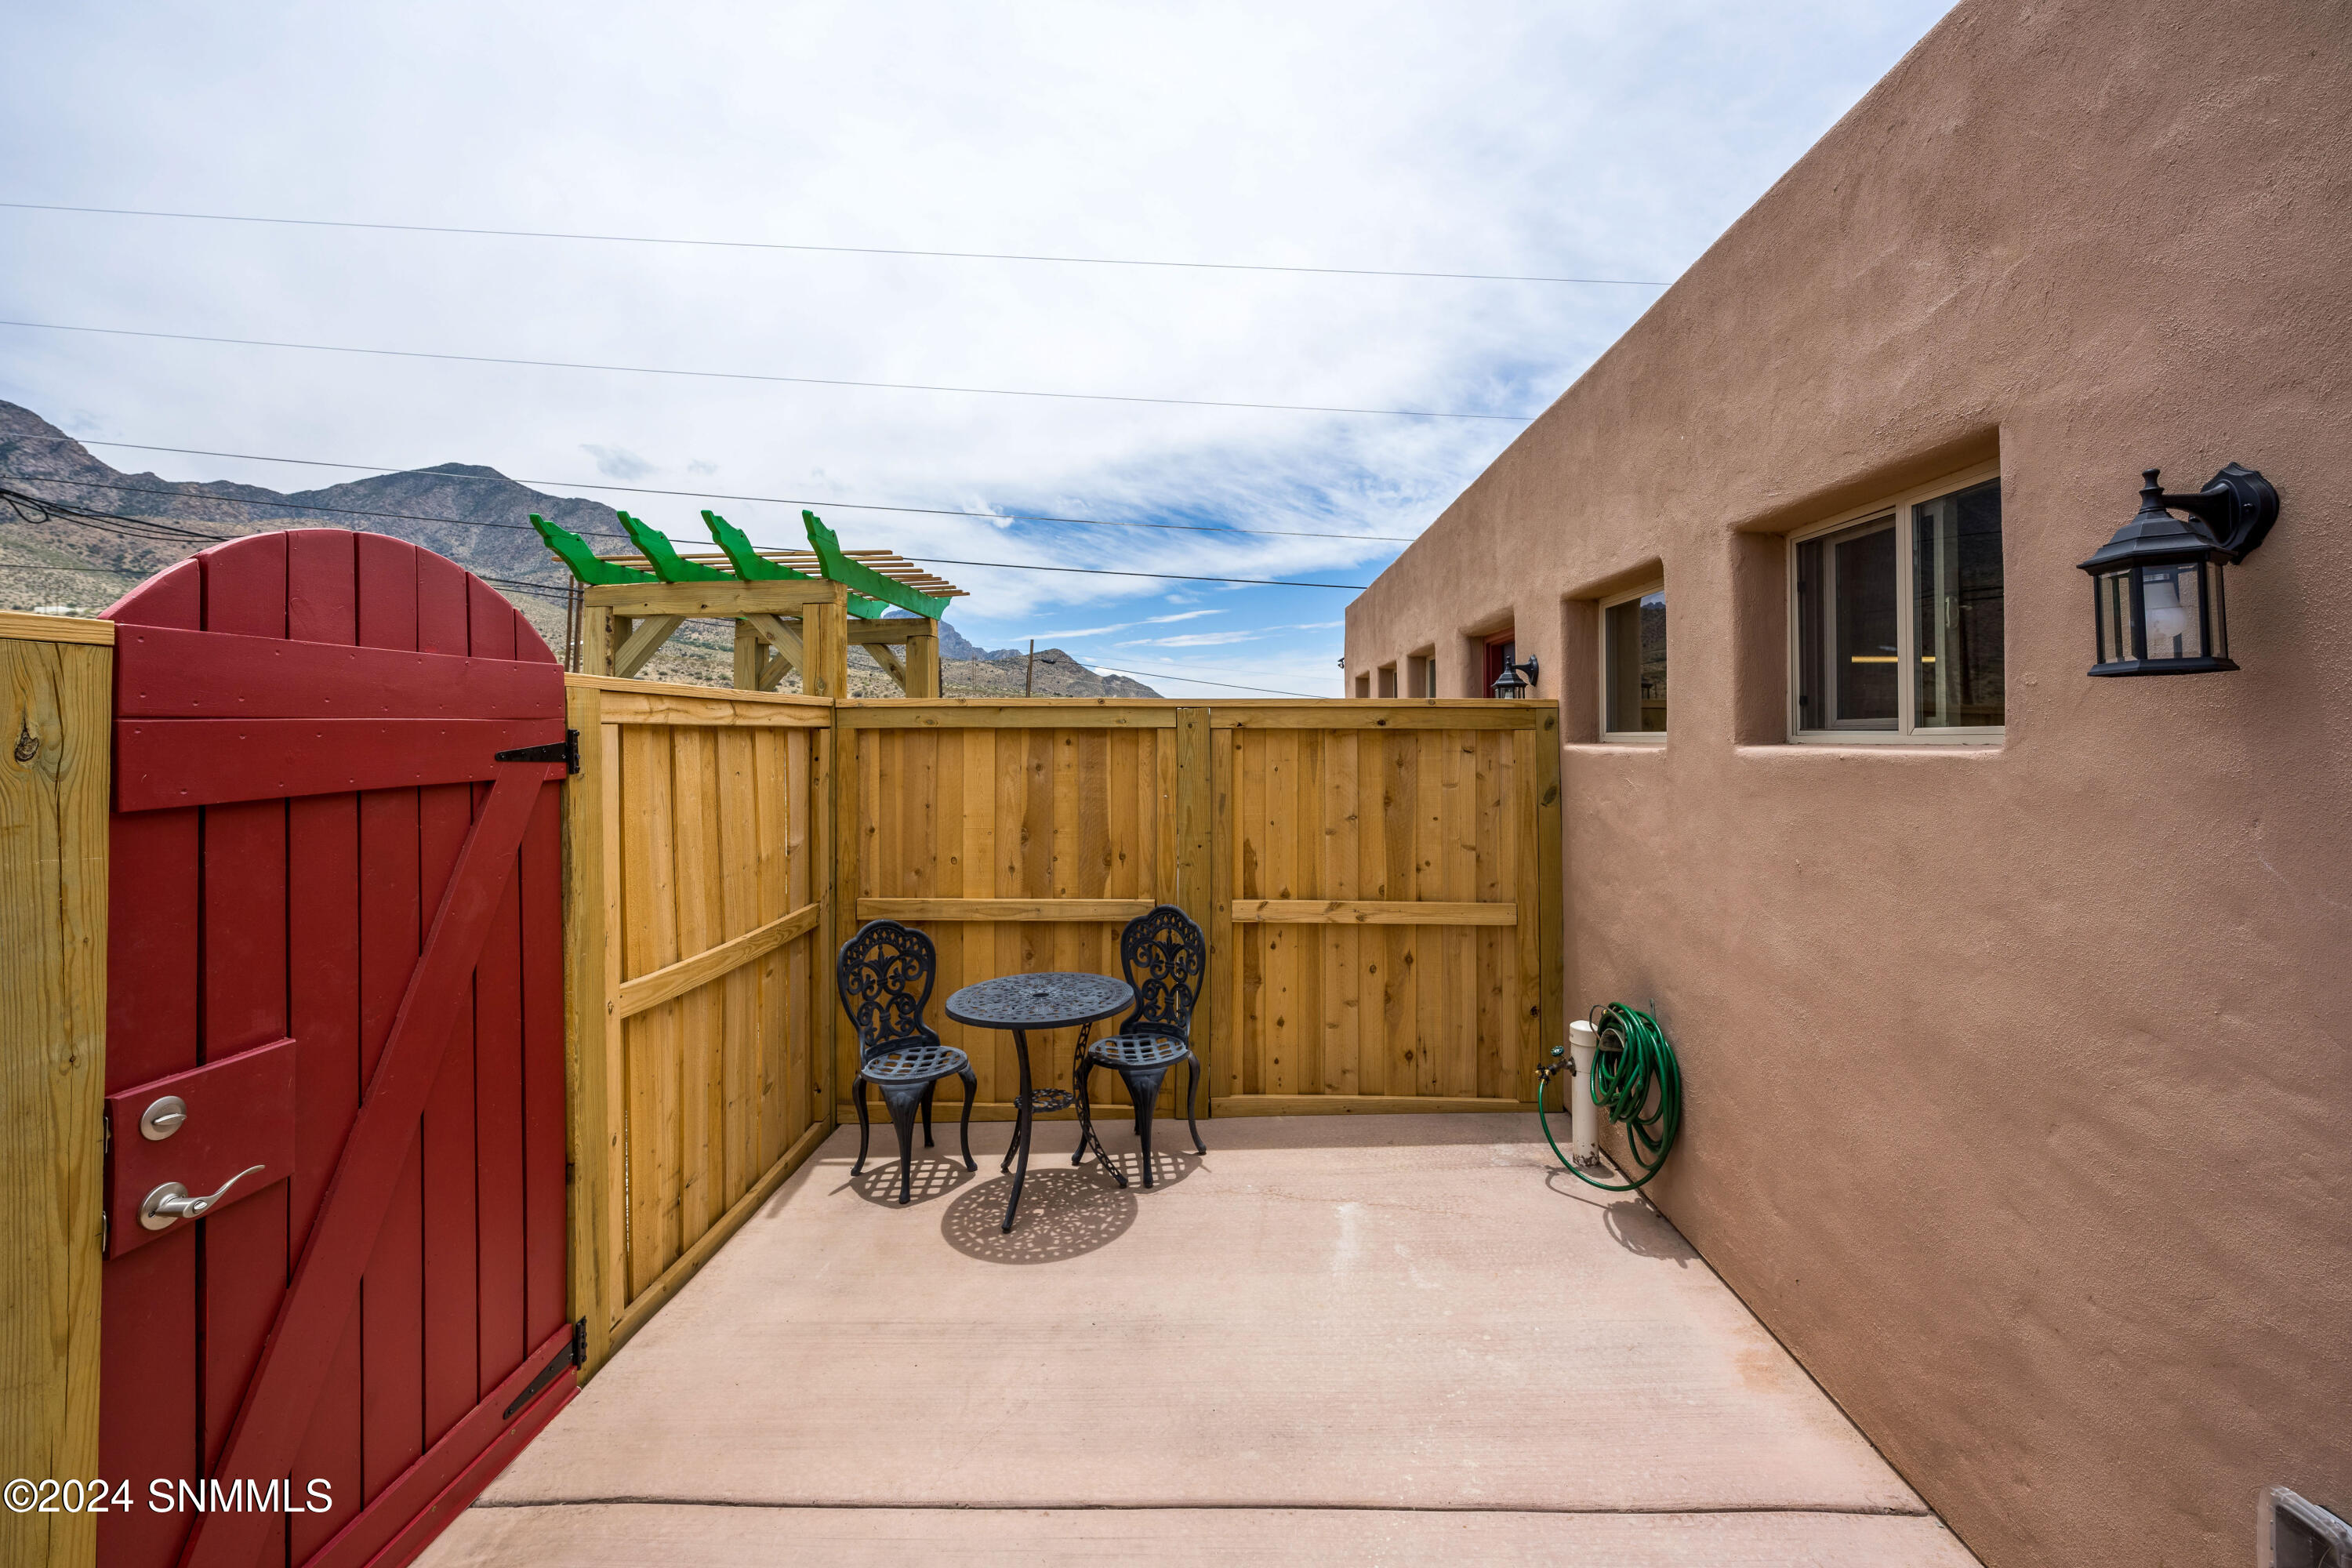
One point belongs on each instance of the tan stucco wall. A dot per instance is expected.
(2019, 1078)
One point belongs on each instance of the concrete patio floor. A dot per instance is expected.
(1335, 1339)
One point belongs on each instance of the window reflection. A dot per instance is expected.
(1633, 645)
(1956, 572)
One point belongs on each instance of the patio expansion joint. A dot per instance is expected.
(1660, 1510)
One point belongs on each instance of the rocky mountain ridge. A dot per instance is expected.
(474, 515)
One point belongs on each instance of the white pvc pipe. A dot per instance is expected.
(1583, 1116)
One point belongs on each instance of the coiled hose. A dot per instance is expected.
(1638, 1085)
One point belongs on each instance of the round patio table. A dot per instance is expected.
(1056, 1000)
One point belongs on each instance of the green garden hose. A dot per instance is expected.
(1638, 1085)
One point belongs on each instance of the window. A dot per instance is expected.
(1388, 681)
(1633, 666)
(1898, 619)
(1419, 674)
(1364, 686)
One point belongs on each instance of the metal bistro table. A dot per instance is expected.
(1021, 1003)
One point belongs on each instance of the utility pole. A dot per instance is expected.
(1029, 674)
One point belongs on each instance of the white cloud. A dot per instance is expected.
(1194, 639)
(619, 463)
(1608, 139)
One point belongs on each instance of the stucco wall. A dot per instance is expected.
(2020, 1077)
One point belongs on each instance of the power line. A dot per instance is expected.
(1106, 572)
(152, 531)
(469, 522)
(715, 495)
(1171, 675)
(760, 376)
(830, 249)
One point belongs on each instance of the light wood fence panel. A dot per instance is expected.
(698, 858)
(1019, 836)
(57, 709)
(1388, 894)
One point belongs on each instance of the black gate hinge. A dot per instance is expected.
(566, 750)
(574, 1353)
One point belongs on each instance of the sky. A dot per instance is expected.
(1611, 140)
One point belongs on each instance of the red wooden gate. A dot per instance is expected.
(335, 941)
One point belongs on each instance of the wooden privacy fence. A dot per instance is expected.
(1378, 881)
(699, 977)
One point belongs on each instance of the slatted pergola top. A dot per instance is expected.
(888, 562)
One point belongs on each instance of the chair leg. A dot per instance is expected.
(1192, 1103)
(902, 1115)
(929, 1089)
(1143, 1088)
(858, 1090)
(970, 1087)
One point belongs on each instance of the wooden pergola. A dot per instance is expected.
(793, 609)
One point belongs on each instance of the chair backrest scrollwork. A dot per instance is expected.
(886, 973)
(1166, 958)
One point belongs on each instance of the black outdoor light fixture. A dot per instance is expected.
(2156, 587)
(1517, 680)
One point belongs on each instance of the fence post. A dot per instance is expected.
(1195, 811)
(57, 683)
(1549, 872)
(592, 1024)
(826, 750)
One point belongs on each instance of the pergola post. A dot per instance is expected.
(922, 658)
(824, 634)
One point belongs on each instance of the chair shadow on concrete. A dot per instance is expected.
(933, 1173)
(1168, 1166)
(1065, 1213)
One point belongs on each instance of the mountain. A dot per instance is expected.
(474, 515)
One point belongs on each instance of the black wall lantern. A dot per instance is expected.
(2156, 587)
(1510, 682)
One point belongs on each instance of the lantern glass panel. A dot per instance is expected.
(2114, 598)
(2174, 598)
(2220, 620)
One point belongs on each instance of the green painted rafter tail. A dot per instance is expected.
(749, 564)
(669, 566)
(861, 579)
(586, 565)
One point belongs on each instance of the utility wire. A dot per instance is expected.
(306, 507)
(146, 529)
(828, 249)
(1163, 576)
(761, 376)
(1171, 675)
(33, 508)
(715, 495)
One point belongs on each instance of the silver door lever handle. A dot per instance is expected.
(171, 1202)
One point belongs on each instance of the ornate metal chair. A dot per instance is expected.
(884, 974)
(1165, 957)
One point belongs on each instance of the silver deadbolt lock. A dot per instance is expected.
(170, 1203)
(163, 1119)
